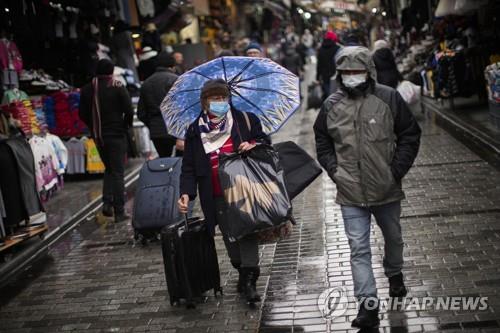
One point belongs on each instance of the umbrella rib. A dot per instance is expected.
(201, 74)
(265, 89)
(249, 102)
(264, 74)
(223, 68)
(242, 70)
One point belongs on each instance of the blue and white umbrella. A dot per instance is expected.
(257, 85)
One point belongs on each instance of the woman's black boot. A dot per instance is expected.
(250, 276)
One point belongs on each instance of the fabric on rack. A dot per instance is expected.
(46, 163)
(76, 156)
(41, 120)
(49, 111)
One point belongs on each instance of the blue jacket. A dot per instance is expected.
(197, 170)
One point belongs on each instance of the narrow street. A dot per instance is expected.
(97, 280)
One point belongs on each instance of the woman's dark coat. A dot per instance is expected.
(196, 167)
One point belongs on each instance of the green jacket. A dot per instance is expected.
(367, 145)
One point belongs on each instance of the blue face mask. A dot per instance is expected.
(219, 109)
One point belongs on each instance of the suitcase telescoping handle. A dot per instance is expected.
(186, 221)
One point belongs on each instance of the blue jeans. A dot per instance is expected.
(357, 222)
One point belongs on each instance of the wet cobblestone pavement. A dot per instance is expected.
(451, 226)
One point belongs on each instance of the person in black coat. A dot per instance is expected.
(153, 91)
(387, 70)
(220, 129)
(326, 61)
(292, 60)
(106, 109)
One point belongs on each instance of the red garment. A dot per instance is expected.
(214, 161)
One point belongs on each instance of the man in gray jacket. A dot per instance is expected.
(153, 91)
(367, 139)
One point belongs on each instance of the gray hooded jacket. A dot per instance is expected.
(367, 143)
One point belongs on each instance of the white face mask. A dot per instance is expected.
(353, 80)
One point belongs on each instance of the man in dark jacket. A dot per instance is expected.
(153, 91)
(367, 140)
(325, 68)
(387, 70)
(106, 109)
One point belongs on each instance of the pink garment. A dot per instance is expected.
(10, 58)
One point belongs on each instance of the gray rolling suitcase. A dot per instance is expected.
(156, 196)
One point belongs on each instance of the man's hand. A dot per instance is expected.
(182, 204)
(246, 146)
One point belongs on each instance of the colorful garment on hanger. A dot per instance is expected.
(61, 152)
(76, 156)
(94, 162)
(46, 163)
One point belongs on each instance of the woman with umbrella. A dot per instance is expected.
(204, 107)
(220, 128)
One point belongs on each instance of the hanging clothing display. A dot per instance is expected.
(17, 177)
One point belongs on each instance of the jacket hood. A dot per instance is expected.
(356, 58)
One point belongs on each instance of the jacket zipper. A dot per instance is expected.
(360, 141)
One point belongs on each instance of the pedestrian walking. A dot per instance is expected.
(367, 140)
(220, 129)
(291, 60)
(385, 64)
(325, 68)
(153, 91)
(253, 49)
(106, 109)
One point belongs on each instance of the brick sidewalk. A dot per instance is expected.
(451, 225)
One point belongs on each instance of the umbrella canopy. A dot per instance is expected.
(257, 85)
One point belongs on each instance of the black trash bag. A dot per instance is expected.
(254, 190)
(299, 167)
(314, 96)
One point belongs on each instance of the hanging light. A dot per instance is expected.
(136, 35)
(374, 10)
(307, 15)
(7, 10)
(300, 10)
(384, 13)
